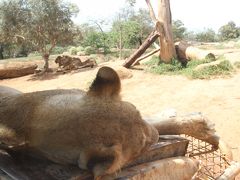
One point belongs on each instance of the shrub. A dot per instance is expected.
(73, 51)
(59, 50)
(89, 50)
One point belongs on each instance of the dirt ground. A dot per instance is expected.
(218, 99)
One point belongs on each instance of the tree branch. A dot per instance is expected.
(151, 11)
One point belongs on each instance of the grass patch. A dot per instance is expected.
(224, 68)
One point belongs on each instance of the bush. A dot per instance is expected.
(59, 50)
(89, 50)
(73, 50)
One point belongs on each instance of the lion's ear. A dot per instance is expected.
(106, 84)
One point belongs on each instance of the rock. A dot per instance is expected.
(123, 72)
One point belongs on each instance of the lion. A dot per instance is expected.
(7, 91)
(95, 130)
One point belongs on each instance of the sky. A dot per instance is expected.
(197, 15)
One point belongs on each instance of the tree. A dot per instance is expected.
(94, 36)
(208, 35)
(229, 31)
(178, 30)
(130, 32)
(46, 24)
(12, 18)
(126, 30)
(163, 30)
(163, 25)
(144, 20)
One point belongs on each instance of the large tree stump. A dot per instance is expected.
(17, 70)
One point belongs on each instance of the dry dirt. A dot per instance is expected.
(218, 99)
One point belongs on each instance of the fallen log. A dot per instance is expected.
(146, 56)
(17, 70)
(186, 52)
(195, 125)
(151, 38)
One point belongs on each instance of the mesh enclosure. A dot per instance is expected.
(213, 162)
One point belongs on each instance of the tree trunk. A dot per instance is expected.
(120, 43)
(46, 60)
(151, 38)
(167, 52)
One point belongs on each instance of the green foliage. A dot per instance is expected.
(130, 28)
(125, 34)
(75, 50)
(163, 68)
(43, 24)
(222, 69)
(208, 35)
(95, 37)
(96, 40)
(59, 49)
(143, 18)
(178, 30)
(229, 31)
(89, 50)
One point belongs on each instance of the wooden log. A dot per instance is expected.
(17, 70)
(40, 169)
(151, 38)
(195, 125)
(231, 172)
(146, 56)
(186, 52)
(180, 168)
(168, 146)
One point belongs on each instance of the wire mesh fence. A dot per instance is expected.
(213, 162)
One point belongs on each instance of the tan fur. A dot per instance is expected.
(95, 130)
